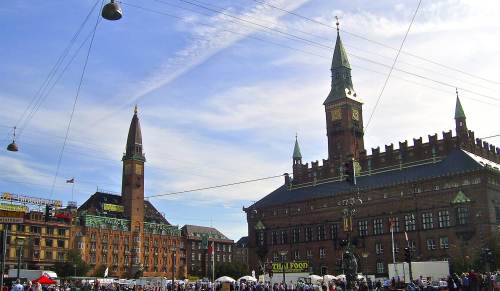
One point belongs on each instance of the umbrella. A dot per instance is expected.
(248, 278)
(315, 279)
(225, 279)
(328, 278)
(44, 280)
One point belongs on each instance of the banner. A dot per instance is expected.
(291, 267)
(13, 207)
(30, 200)
(112, 207)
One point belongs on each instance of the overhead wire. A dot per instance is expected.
(378, 43)
(392, 68)
(33, 106)
(75, 101)
(329, 48)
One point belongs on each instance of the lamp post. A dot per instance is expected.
(349, 262)
(20, 244)
(283, 254)
(74, 267)
(173, 268)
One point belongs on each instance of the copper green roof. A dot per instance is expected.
(460, 198)
(459, 111)
(340, 55)
(296, 150)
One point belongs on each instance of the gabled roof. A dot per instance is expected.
(460, 198)
(196, 231)
(457, 161)
(242, 242)
(94, 205)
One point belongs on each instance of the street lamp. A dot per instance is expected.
(74, 267)
(283, 254)
(20, 244)
(173, 268)
(112, 11)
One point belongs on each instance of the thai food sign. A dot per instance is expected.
(291, 267)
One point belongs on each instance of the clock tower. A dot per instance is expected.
(133, 174)
(343, 109)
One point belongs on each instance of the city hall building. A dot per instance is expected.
(443, 192)
(124, 232)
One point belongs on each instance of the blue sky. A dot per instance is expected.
(220, 100)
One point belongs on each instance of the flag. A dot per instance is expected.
(106, 272)
(71, 181)
(210, 249)
(406, 236)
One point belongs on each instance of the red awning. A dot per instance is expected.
(44, 280)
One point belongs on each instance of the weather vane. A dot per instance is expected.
(337, 23)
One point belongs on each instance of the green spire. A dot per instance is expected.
(296, 150)
(459, 111)
(340, 55)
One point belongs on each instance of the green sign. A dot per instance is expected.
(204, 241)
(291, 267)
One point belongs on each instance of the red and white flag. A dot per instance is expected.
(406, 236)
(71, 181)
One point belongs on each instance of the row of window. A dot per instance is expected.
(224, 258)
(136, 239)
(218, 246)
(431, 244)
(379, 226)
(35, 229)
(447, 185)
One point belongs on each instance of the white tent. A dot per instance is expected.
(329, 278)
(225, 279)
(341, 277)
(248, 278)
(315, 279)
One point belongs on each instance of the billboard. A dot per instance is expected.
(291, 267)
(30, 200)
(13, 207)
(112, 207)
(11, 220)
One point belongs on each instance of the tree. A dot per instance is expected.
(234, 270)
(67, 268)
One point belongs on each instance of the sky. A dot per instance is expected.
(222, 89)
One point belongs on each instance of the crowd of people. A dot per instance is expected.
(470, 281)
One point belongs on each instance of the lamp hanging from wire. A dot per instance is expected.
(112, 11)
(12, 147)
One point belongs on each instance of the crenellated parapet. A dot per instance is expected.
(433, 149)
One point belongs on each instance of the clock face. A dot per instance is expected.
(336, 114)
(138, 169)
(355, 114)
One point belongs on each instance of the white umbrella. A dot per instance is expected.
(328, 278)
(225, 279)
(341, 277)
(315, 279)
(248, 278)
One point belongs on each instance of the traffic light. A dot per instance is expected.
(350, 171)
(48, 212)
(407, 253)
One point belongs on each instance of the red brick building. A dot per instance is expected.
(124, 232)
(444, 193)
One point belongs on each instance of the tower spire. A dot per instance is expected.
(297, 156)
(134, 140)
(460, 123)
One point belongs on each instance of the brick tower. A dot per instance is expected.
(343, 110)
(133, 187)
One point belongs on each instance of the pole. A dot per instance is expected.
(4, 246)
(393, 251)
(19, 261)
(173, 269)
(213, 262)
(283, 269)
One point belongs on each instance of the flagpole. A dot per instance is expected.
(72, 189)
(213, 262)
(393, 251)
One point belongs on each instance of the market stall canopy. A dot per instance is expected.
(44, 280)
(248, 278)
(225, 279)
(315, 279)
(328, 278)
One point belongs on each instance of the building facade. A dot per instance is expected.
(443, 193)
(124, 232)
(201, 241)
(46, 239)
(240, 254)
